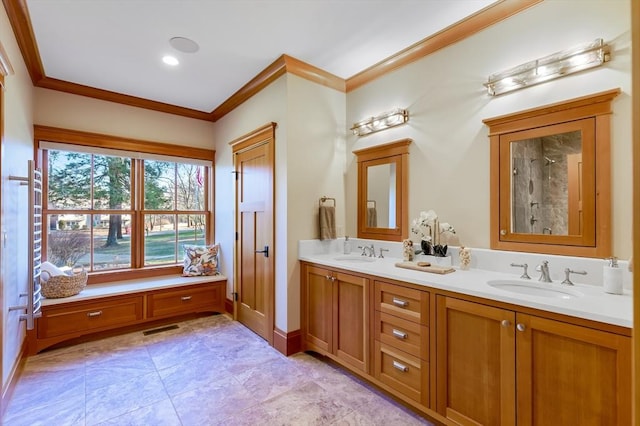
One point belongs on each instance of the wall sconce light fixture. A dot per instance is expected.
(559, 64)
(381, 122)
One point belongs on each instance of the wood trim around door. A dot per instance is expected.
(635, 107)
(264, 135)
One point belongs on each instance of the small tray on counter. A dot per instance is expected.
(426, 268)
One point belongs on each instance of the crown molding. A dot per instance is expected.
(106, 95)
(482, 19)
(21, 24)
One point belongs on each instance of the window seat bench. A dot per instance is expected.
(122, 304)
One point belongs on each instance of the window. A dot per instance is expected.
(117, 211)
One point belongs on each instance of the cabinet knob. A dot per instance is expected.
(185, 298)
(503, 232)
(521, 327)
(399, 334)
(400, 302)
(399, 366)
(327, 277)
(505, 323)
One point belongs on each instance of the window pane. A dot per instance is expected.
(191, 229)
(111, 182)
(111, 241)
(159, 184)
(190, 179)
(68, 240)
(159, 239)
(69, 180)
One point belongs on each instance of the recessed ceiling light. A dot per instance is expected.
(184, 44)
(170, 60)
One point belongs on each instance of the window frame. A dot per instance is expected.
(137, 150)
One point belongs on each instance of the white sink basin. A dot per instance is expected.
(535, 289)
(355, 258)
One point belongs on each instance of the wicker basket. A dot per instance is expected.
(63, 285)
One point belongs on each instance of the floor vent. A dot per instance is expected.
(160, 330)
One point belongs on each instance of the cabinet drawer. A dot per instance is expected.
(402, 302)
(90, 316)
(185, 301)
(402, 372)
(407, 336)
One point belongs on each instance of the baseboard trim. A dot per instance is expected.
(287, 343)
(12, 381)
(228, 306)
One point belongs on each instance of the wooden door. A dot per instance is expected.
(351, 320)
(475, 363)
(317, 310)
(571, 375)
(574, 186)
(254, 261)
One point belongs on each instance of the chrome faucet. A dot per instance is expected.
(543, 268)
(368, 251)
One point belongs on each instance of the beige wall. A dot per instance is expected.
(315, 167)
(449, 158)
(267, 106)
(17, 149)
(59, 109)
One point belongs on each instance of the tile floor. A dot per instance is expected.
(209, 371)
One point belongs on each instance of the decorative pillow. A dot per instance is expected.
(200, 260)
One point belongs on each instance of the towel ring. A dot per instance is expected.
(325, 199)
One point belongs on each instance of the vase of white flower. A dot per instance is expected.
(425, 246)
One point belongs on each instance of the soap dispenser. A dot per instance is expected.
(347, 245)
(612, 277)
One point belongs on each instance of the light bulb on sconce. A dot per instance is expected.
(381, 122)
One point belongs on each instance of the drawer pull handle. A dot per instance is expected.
(399, 334)
(400, 302)
(185, 298)
(94, 314)
(399, 366)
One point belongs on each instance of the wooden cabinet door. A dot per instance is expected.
(317, 300)
(475, 363)
(351, 320)
(571, 375)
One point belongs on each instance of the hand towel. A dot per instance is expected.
(372, 217)
(327, 220)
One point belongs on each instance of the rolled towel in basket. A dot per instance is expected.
(51, 269)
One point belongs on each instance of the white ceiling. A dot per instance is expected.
(117, 45)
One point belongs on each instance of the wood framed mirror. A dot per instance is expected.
(383, 172)
(551, 178)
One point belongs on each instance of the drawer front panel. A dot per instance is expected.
(85, 317)
(403, 302)
(407, 336)
(402, 372)
(184, 301)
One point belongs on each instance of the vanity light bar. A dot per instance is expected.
(381, 122)
(559, 64)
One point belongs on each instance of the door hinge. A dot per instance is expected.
(235, 173)
(236, 236)
(234, 295)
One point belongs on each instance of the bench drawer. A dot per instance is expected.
(188, 300)
(82, 317)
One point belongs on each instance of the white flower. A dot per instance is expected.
(446, 227)
(423, 226)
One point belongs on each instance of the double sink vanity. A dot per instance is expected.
(477, 346)
(485, 346)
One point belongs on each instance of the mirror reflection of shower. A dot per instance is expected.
(542, 182)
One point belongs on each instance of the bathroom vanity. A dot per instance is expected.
(467, 347)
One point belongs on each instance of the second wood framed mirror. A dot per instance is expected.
(550, 178)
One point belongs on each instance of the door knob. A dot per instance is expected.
(521, 327)
(505, 323)
(265, 251)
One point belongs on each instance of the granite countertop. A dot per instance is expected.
(592, 302)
